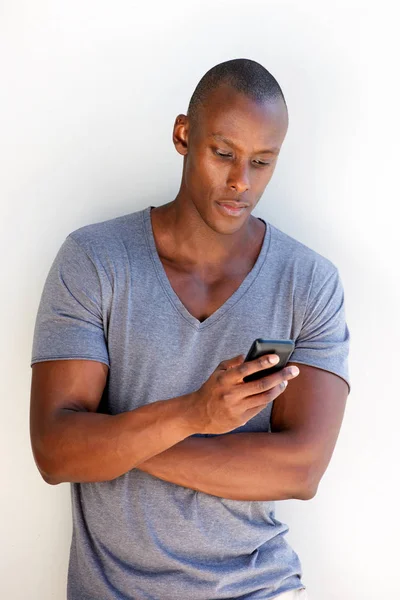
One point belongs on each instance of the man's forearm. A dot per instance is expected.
(239, 466)
(82, 446)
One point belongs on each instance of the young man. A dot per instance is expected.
(138, 397)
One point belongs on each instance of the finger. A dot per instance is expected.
(259, 386)
(262, 400)
(241, 370)
(231, 362)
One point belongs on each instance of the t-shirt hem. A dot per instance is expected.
(73, 357)
(324, 368)
(292, 589)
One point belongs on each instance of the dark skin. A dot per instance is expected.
(206, 255)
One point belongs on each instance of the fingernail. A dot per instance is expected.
(294, 370)
(273, 359)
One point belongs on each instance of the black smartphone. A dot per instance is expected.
(282, 348)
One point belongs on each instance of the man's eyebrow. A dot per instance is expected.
(218, 136)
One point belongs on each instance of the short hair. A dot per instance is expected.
(244, 75)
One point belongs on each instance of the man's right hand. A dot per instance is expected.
(224, 402)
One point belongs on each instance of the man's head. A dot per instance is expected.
(230, 139)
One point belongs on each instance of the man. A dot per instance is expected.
(138, 397)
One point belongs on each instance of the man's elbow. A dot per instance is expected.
(43, 465)
(307, 483)
(50, 479)
(48, 476)
(306, 493)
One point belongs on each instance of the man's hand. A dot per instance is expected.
(224, 402)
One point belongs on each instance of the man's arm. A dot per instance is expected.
(286, 463)
(72, 442)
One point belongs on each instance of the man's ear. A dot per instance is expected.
(180, 134)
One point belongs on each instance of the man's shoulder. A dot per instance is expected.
(292, 250)
(111, 235)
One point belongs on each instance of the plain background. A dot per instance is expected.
(89, 94)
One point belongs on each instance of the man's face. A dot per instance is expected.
(231, 154)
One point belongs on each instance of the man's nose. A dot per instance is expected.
(239, 178)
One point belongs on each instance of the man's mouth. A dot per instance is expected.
(232, 208)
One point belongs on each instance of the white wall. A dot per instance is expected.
(89, 94)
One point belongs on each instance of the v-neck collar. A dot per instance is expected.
(173, 296)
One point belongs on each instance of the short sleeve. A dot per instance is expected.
(69, 321)
(324, 338)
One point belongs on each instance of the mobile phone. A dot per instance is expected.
(282, 348)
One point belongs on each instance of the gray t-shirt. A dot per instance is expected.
(107, 298)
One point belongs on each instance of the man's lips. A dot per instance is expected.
(233, 204)
(232, 209)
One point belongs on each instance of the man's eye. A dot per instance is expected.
(258, 162)
(221, 154)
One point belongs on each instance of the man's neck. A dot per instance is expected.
(184, 238)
